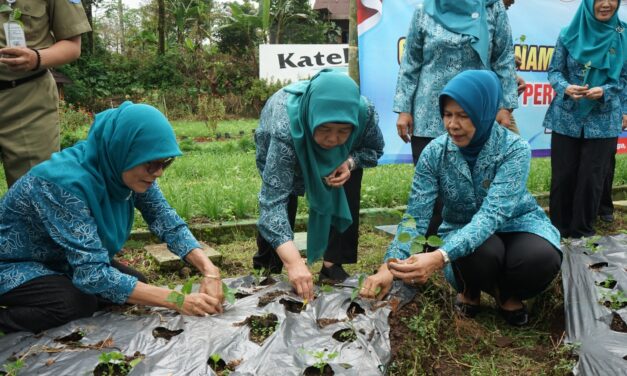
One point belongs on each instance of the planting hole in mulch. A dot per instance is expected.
(268, 281)
(345, 335)
(353, 310)
(618, 325)
(270, 297)
(71, 338)
(241, 295)
(598, 265)
(165, 333)
(608, 283)
(323, 323)
(325, 371)
(120, 368)
(261, 327)
(292, 305)
(221, 367)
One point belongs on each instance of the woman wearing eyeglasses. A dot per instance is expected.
(62, 224)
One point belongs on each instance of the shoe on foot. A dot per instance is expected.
(466, 310)
(609, 218)
(517, 317)
(334, 273)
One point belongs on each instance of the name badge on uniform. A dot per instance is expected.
(14, 34)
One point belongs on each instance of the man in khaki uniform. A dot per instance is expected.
(29, 122)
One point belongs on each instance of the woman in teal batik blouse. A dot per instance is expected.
(62, 224)
(589, 75)
(314, 138)
(496, 237)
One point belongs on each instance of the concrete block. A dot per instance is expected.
(387, 229)
(168, 260)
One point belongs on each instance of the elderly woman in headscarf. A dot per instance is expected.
(496, 238)
(589, 76)
(62, 224)
(314, 138)
(445, 38)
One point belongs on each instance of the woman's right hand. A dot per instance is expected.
(200, 304)
(576, 92)
(378, 285)
(301, 279)
(405, 126)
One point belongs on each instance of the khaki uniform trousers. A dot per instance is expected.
(29, 125)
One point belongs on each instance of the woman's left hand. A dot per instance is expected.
(339, 176)
(417, 268)
(594, 93)
(212, 287)
(504, 117)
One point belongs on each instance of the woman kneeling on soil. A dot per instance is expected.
(314, 137)
(63, 222)
(496, 237)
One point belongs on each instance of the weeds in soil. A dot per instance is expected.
(14, 367)
(115, 363)
(613, 299)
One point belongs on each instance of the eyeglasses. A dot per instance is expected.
(154, 166)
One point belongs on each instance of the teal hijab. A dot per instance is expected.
(479, 93)
(329, 97)
(601, 44)
(118, 140)
(466, 17)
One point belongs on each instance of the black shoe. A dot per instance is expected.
(467, 310)
(609, 218)
(517, 317)
(334, 273)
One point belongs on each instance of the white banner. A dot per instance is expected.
(294, 62)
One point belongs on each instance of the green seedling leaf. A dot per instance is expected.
(404, 237)
(187, 287)
(408, 221)
(377, 291)
(415, 248)
(215, 358)
(135, 362)
(360, 283)
(177, 298)
(326, 288)
(435, 241)
(420, 240)
(4, 8)
(229, 294)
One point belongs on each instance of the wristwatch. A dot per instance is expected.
(351, 163)
(447, 260)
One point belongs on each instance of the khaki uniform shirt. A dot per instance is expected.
(45, 22)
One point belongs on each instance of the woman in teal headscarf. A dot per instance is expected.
(589, 75)
(314, 137)
(496, 237)
(447, 37)
(62, 224)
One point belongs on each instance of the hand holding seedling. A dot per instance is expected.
(378, 285)
(297, 272)
(339, 176)
(576, 92)
(211, 284)
(200, 304)
(594, 93)
(417, 268)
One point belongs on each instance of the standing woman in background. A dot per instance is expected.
(588, 74)
(445, 38)
(314, 137)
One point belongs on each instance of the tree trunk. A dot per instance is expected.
(121, 26)
(89, 37)
(161, 26)
(353, 49)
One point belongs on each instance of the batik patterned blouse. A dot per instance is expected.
(279, 169)
(604, 120)
(492, 198)
(433, 56)
(45, 230)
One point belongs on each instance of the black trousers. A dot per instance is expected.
(45, 302)
(516, 264)
(606, 206)
(579, 168)
(342, 248)
(418, 144)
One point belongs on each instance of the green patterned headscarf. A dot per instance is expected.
(118, 140)
(466, 17)
(601, 46)
(329, 97)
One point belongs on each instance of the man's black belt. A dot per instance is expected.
(14, 83)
